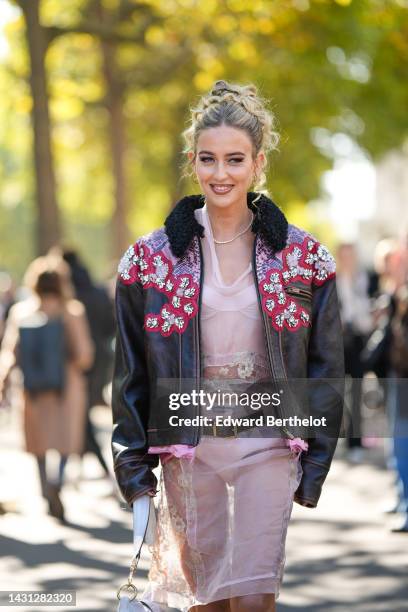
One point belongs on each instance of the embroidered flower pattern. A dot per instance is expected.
(176, 521)
(156, 270)
(224, 371)
(239, 365)
(127, 268)
(308, 262)
(245, 366)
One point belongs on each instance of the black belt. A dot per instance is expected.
(230, 431)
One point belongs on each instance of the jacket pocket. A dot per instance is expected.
(299, 292)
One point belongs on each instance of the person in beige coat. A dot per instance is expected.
(52, 419)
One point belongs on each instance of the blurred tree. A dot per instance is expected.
(334, 70)
(48, 224)
(117, 134)
(109, 23)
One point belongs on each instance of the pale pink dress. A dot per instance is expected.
(208, 545)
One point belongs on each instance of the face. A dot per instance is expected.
(224, 165)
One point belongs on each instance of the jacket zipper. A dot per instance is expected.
(180, 363)
(197, 333)
(284, 429)
(299, 291)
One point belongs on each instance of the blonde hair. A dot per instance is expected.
(237, 106)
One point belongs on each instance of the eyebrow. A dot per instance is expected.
(227, 154)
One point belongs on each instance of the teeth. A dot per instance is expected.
(222, 189)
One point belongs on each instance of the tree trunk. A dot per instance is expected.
(177, 158)
(117, 137)
(48, 223)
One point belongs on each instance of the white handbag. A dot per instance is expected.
(127, 593)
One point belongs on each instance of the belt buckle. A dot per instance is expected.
(214, 428)
(235, 430)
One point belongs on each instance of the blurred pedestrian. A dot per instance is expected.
(376, 353)
(99, 312)
(352, 286)
(390, 262)
(399, 399)
(6, 299)
(47, 336)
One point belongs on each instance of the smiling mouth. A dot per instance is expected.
(221, 189)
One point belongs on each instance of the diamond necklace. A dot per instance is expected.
(238, 235)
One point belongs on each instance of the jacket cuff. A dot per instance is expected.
(307, 503)
(134, 480)
(310, 488)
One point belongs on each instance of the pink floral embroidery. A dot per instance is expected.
(308, 262)
(156, 270)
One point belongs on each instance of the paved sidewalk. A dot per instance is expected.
(340, 556)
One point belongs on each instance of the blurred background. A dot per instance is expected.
(94, 95)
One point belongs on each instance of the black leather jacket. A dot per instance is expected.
(158, 336)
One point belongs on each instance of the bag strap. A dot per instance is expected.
(129, 585)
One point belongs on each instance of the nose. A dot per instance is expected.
(220, 171)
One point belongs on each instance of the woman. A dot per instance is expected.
(226, 295)
(398, 397)
(354, 302)
(47, 336)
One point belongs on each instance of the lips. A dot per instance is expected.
(221, 189)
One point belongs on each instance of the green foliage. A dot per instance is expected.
(333, 64)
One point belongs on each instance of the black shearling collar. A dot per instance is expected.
(181, 225)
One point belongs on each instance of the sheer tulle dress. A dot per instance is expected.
(224, 506)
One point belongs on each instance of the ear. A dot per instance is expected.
(190, 155)
(260, 160)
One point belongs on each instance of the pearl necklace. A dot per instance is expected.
(238, 235)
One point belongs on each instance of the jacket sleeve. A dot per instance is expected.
(325, 390)
(130, 397)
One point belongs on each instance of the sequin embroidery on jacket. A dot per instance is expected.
(155, 270)
(309, 262)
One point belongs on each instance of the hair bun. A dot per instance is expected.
(222, 86)
(219, 85)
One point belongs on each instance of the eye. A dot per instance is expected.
(236, 160)
(206, 159)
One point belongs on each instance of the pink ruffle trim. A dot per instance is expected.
(174, 450)
(187, 452)
(297, 445)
